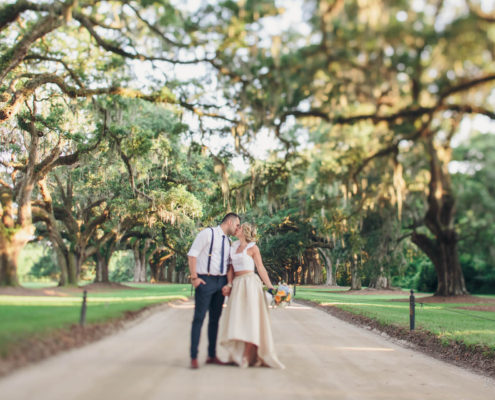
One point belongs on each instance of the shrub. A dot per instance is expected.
(121, 267)
(44, 267)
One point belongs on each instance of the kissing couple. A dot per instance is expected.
(220, 268)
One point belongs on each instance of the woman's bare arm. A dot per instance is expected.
(255, 253)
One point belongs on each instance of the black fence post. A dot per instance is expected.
(82, 320)
(412, 311)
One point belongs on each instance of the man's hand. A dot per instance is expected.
(197, 281)
(226, 290)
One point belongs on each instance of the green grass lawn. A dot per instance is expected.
(38, 285)
(26, 316)
(443, 319)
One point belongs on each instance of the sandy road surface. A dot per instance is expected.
(325, 358)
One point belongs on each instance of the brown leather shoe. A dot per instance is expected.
(214, 360)
(194, 363)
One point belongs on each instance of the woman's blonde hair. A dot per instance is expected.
(249, 231)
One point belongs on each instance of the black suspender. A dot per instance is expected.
(211, 249)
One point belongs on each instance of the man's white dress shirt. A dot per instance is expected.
(201, 247)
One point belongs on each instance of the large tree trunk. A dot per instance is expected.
(157, 263)
(105, 276)
(443, 253)
(157, 268)
(143, 252)
(67, 277)
(80, 260)
(10, 248)
(331, 277)
(105, 247)
(381, 281)
(73, 274)
(439, 219)
(15, 235)
(154, 269)
(11, 245)
(161, 272)
(8, 266)
(104, 271)
(45, 214)
(171, 268)
(137, 263)
(67, 264)
(62, 265)
(140, 260)
(355, 274)
(337, 266)
(309, 268)
(78, 257)
(303, 271)
(98, 269)
(314, 266)
(101, 268)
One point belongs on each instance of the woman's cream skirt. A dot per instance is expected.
(246, 319)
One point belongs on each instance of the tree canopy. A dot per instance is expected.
(120, 121)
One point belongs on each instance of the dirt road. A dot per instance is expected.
(325, 358)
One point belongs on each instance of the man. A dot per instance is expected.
(208, 261)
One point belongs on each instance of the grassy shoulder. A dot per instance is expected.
(26, 316)
(447, 321)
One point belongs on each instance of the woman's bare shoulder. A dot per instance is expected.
(253, 248)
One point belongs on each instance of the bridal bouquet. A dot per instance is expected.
(282, 296)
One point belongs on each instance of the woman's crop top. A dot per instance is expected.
(242, 261)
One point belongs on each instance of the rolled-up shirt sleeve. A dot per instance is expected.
(199, 243)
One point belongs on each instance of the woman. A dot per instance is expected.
(245, 332)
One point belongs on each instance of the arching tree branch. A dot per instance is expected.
(108, 46)
(38, 80)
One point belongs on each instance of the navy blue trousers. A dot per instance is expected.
(208, 298)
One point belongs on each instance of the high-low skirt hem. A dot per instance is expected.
(246, 319)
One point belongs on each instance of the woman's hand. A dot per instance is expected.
(226, 290)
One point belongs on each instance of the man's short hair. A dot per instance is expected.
(229, 216)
